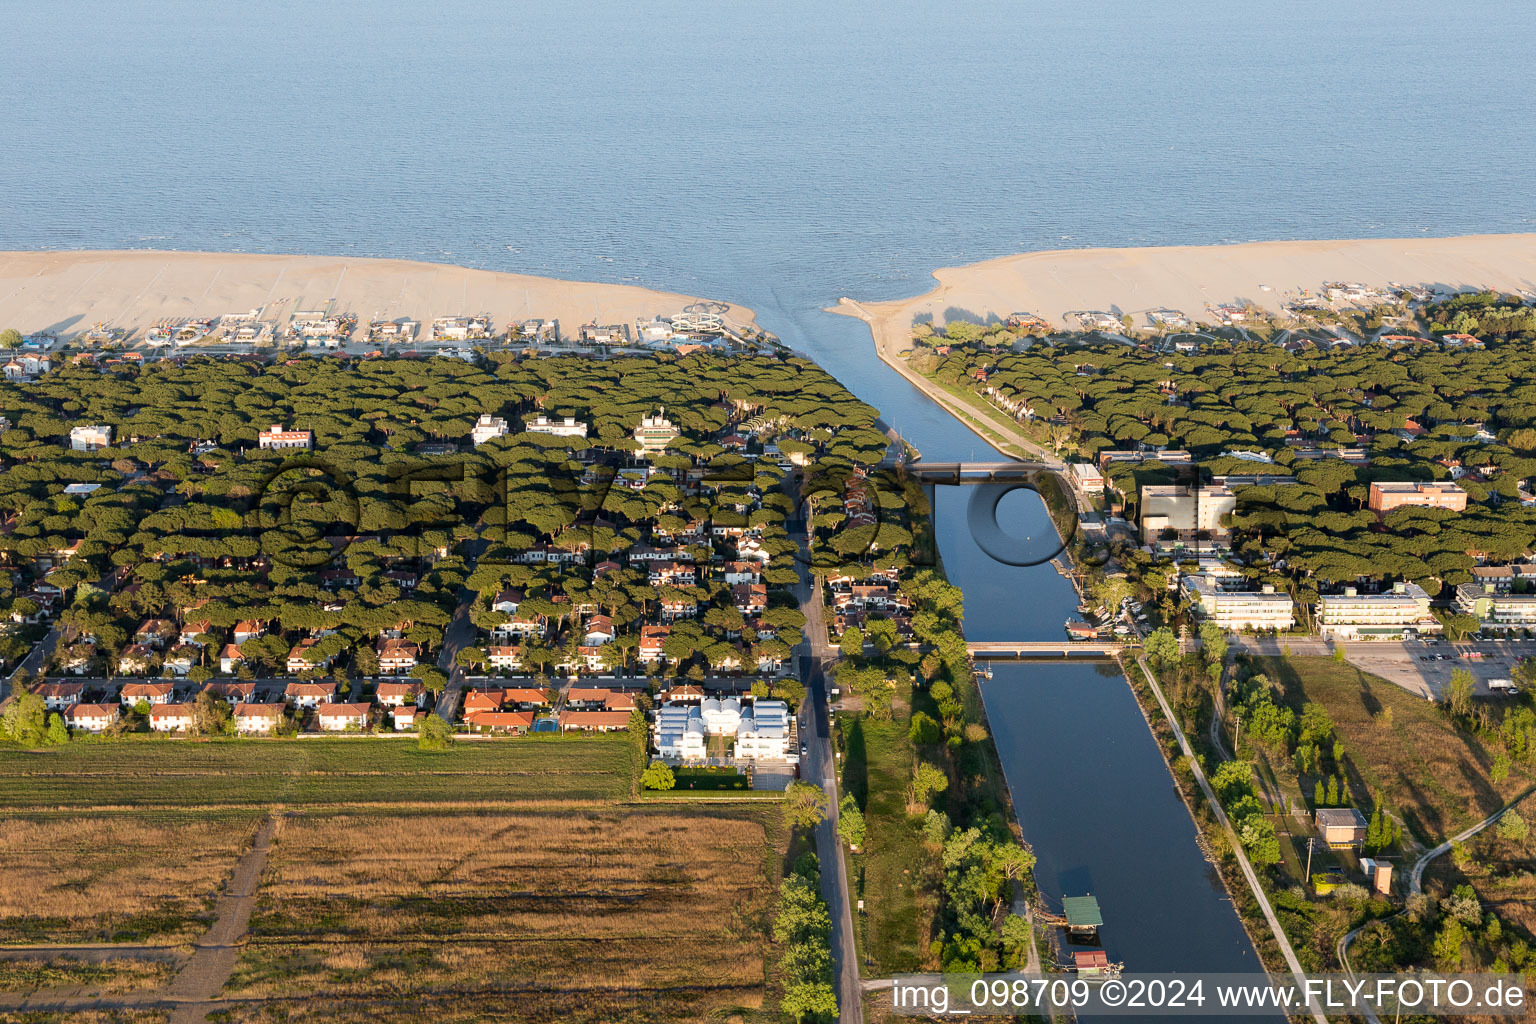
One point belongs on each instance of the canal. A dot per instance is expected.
(1093, 795)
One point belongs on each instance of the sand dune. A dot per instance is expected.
(1189, 278)
(68, 292)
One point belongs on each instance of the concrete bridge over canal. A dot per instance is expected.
(979, 472)
(994, 649)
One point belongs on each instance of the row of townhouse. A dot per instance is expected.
(522, 710)
(758, 730)
(401, 699)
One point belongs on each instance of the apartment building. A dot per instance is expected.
(1184, 509)
(1387, 495)
(1496, 608)
(487, 427)
(655, 433)
(89, 438)
(1231, 604)
(1400, 612)
(569, 426)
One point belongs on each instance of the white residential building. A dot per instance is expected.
(1495, 608)
(91, 717)
(1401, 611)
(721, 715)
(89, 438)
(341, 717)
(1087, 475)
(679, 732)
(59, 696)
(171, 718)
(487, 427)
(764, 733)
(1183, 509)
(1220, 601)
(566, 427)
(258, 719)
(276, 437)
(655, 433)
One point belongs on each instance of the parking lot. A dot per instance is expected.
(1417, 666)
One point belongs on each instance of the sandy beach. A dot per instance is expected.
(1189, 278)
(68, 292)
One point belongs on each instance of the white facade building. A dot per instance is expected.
(1355, 616)
(89, 438)
(764, 733)
(722, 715)
(1087, 476)
(679, 732)
(1221, 602)
(1495, 608)
(487, 427)
(277, 437)
(567, 427)
(655, 433)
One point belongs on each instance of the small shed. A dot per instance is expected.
(1082, 913)
(1341, 827)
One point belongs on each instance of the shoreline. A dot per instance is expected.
(1132, 280)
(67, 292)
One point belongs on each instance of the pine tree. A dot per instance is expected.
(1343, 800)
(1317, 795)
(1333, 791)
(1374, 840)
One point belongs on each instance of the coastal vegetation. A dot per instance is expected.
(941, 861)
(188, 512)
(802, 931)
(1424, 413)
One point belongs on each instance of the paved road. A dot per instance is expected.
(460, 633)
(819, 766)
(36, 658)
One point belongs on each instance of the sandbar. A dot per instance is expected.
(68, 292)
(1194, 278)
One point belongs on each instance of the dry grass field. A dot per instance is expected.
(108, 977)
(512, 881)
(153, 772)
(125, 1016)
(115, 877)
(1400, 747)
(625, 913)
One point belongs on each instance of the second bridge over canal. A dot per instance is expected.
(982, 649)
